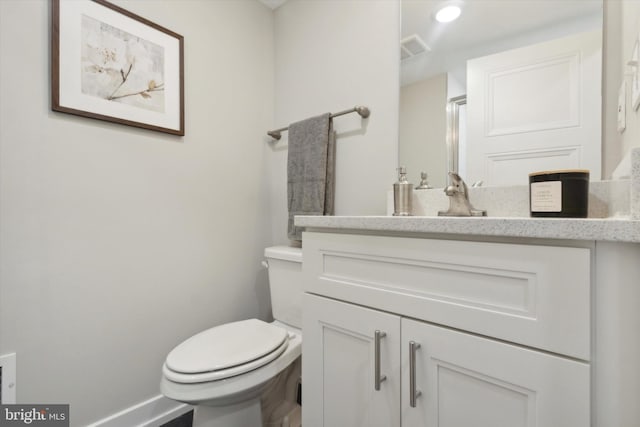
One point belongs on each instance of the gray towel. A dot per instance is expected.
(310, 170)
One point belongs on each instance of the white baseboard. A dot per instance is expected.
(151, 413)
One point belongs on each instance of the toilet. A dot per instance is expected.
(225, 370)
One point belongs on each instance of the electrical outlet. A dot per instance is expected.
(8, 378)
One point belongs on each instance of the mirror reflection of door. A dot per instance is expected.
(535, 108)
(483, 29)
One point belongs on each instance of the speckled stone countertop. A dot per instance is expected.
(614, 214)
(600, 229)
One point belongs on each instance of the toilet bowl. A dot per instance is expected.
(196, 388)
(225, 370)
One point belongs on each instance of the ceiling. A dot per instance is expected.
(485, 22)
(272, 4)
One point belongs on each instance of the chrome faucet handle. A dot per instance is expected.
(424, 184)
(459, 204)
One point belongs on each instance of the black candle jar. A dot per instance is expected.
(559, 193)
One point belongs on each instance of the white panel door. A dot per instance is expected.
(467, 380)
(535, 108)
(339, 362)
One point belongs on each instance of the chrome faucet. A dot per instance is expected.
(459, 204)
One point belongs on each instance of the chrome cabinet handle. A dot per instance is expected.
(377, 378)
(413, 392)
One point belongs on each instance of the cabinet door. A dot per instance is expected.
(467, 380)
(338, 365)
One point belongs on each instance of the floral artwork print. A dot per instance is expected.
(120, 67)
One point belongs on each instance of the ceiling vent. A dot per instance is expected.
(412, 46)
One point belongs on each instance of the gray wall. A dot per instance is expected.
(423, 130)
(117, 243)
(332, 55)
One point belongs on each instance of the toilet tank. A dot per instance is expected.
(285, 283)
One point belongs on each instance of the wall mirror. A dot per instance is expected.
(520, 81)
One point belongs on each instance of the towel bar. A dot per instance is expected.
(360, 109)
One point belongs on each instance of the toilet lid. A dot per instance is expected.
(221, 374)
(225, 346)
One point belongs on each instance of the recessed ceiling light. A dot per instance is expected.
(448, 14)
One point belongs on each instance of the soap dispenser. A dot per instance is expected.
(402, 192)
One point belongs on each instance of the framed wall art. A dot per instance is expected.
(110, 64)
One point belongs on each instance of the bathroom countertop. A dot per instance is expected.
(600, 229)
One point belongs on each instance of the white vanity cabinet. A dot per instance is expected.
(339, 365)
(485, 334)
(466, 380)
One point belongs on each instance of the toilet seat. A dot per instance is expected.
(246, 345)
(241, 387)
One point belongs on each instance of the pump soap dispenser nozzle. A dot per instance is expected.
(402, 192)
